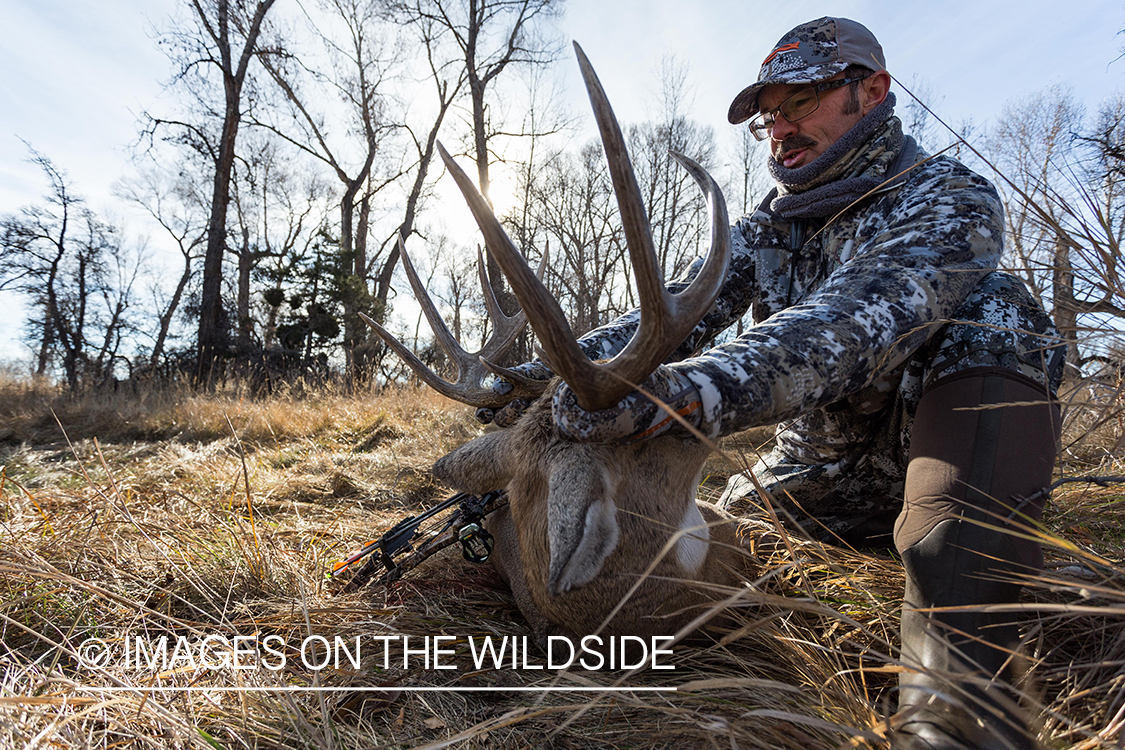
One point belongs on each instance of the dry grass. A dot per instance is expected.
(172, 514)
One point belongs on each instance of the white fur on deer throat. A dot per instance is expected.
(691, 548)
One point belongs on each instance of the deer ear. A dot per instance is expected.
(480, 465)
(582, 526)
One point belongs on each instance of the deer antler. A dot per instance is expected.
(666, 319)
(471, 368)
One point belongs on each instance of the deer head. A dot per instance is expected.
(586, 521)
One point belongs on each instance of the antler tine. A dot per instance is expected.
(541, 307)
(444, 338)
(697, 299)
(666, 319)
(529, 386)
(661, 331)
(634, 218)
(655, 338)
(505, 328)
(471, 371)
(428, 376)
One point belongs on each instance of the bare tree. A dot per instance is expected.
(675, 207)
(542, 119)
(358, 60)
(174, 201)
(32, 249)
(965, 132)
(277, 214)
(215, 54)
(574, 208)
(1103, 168)
(447, 81)
(490, 36)
(1063, 195)
(748, 179)
(571, 206)
(916, 118)
(1031, 143)
(76, 273)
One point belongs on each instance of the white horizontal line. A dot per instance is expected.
(388, 689)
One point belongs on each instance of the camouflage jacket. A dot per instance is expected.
(838, 307)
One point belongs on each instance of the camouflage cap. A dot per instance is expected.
(812, 52)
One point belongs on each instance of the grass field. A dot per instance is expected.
(132, 517)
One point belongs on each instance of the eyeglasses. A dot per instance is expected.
(801, 104)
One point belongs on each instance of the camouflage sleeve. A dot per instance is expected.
(924, 250)
(735, 298)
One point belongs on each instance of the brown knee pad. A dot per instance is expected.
(983, 440)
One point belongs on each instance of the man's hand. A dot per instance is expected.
(507, 415)
(635, 417)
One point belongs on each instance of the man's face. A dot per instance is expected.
(795, 144)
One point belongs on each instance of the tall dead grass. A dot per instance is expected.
(178, 515)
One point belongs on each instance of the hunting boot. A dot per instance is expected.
(982, 453)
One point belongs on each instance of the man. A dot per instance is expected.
(913, 384)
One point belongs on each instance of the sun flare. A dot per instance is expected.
(503, 191)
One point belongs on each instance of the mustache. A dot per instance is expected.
(792, 144)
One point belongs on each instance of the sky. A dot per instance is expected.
(75, 76)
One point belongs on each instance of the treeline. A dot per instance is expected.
(303, 145)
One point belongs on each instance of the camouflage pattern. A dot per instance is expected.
(635, 417)
(999, 326)
(849, 329)
(514, 409)
(810, 53)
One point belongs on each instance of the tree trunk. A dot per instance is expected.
(353, 333)
(45, 345)
(212, 337)
(212, 340)
(1065, 311)
(169, 313)
(245, 263)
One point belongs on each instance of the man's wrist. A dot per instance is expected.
(663, 400)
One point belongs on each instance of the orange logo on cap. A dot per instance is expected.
(779, 50)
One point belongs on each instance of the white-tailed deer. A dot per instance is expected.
(591, 528)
